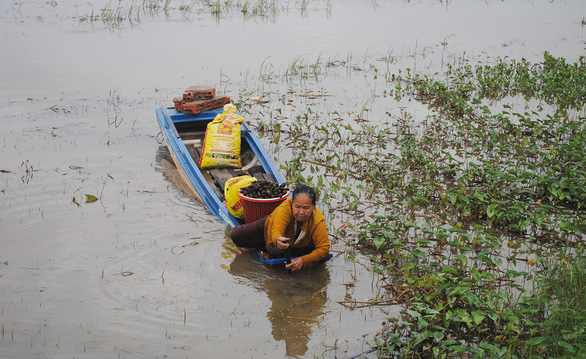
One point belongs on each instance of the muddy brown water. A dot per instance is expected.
(146, 271)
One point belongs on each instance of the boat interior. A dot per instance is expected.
(193, 138)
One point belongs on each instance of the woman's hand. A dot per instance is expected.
(282, 243)
(295, 265)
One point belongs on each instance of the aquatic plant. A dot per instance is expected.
(560, 303)
(464, 210)
(244, 7)
(117, 14)
(89, 198)
(28, 171)
(216, 7)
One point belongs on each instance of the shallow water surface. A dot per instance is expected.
(146, 271)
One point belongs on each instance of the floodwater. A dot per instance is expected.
(146, 271)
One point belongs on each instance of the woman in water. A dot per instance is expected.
(296, 225)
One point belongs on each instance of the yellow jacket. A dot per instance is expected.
(281, 223)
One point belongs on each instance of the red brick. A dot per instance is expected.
(193, 93)
(193, 107)
(178, 104)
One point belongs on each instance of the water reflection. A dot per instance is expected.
(166, 166)
(297, 301)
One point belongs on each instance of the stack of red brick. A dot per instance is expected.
(198, 99)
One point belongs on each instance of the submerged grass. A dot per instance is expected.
(117, 14)
(561, 302)
(474, 215)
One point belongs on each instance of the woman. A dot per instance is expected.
(296, 224)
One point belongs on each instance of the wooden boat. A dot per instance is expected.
(184, 135)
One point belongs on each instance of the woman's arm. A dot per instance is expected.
(279, 222)
(321, 241)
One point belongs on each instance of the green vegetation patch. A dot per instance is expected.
(474, 215)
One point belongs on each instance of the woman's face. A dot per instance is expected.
(302, 207)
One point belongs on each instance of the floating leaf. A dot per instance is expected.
(438, 336)
(536, 340)
(408, 266)
(478, 316)
(377, 270)
(378, 242)
(418, 253)
(567, 346)
(450, 270)
(90, 198)
(413, 313)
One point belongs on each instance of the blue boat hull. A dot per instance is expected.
(263, 257)
(170, 120)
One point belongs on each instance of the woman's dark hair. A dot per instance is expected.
(306, 190)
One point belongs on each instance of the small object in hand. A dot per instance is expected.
(288, 259)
